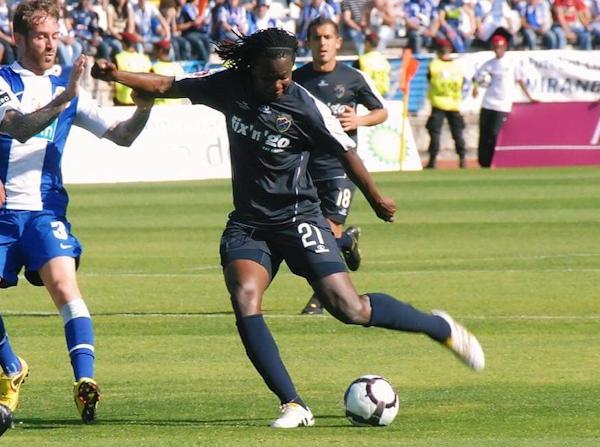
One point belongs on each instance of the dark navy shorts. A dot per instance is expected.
(336, 197)
(30, 239)
(307, 246)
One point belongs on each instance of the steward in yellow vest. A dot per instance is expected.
(445, 94)
(375, 65)
(130, 60)
(166, 67)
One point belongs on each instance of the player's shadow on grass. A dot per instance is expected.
(52, 424)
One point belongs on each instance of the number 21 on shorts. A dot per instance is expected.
(312, 236)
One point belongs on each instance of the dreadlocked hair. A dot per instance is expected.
(272, 43)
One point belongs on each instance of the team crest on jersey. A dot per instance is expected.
(283, 123)
(339, 90)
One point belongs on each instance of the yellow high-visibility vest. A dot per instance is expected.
(446, 82)
(168, 69)
(130, 61)
(376, 66)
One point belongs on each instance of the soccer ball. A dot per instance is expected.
(484, 79)
(371, 401)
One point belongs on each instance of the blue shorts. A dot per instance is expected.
(307, 246)
(336, 197)
(30, 239)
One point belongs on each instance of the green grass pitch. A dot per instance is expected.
(514, 254)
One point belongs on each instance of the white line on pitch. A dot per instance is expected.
(592, 317)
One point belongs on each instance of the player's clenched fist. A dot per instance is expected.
(103, 70)
(385, 209)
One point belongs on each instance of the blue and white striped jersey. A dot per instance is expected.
(31, 171)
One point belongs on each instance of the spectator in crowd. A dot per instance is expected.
(150, 25)
(494, 14)
(310, 11)
(375, 65)
(261, 17)
(180, 48)
(457, 23)
(119, 18)
(194, 23)
(595, 22)
(165, 66)
(446, 80)
(380, 17)
(571, 21)
(84, 21)
(536, 23)
(422, 23)
(132, 60)
(68, 48)
(499, 76)
(352, 13)
(7, 54)
(233, 21)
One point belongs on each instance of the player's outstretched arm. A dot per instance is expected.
(125, 132)
(153, 84)
(384, 207)
(24, 126)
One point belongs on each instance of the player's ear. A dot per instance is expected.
(338, 43)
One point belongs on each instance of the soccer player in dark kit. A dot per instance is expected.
(273, 125)
(342, 88)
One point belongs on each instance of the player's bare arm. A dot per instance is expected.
(125, 132)
(156, 85)
(24, 126)
(351, 121)
(384, 207)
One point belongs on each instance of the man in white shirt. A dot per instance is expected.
(499, 75)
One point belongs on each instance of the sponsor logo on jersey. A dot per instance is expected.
(264, 109)
(322, 83)
(49, 132)
(4, 97)
(339, 90)
(271, 142)
(283, 123)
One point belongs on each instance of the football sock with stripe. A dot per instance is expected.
(8, 359)
(79, 333)
(390, 313)
(264, 355)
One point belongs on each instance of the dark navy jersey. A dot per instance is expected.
(343, 87)
(269, 146)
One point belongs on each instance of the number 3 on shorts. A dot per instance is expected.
(309, 234)
(59, 230)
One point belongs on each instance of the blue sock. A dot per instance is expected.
(80, 338)
(264, 355)
(389, 313)
(8, 360)
(344, 242)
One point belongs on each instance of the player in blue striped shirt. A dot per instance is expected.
(38, 106)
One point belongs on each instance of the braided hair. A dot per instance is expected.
(272, 43)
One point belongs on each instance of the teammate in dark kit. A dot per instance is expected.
(273, 125)
(342, 88)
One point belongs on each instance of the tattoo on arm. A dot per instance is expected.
(24, 126)
(125, 132)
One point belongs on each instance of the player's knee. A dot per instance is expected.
(245, 292)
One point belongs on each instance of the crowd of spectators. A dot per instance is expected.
(185, 29)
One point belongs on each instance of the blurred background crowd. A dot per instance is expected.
(183, 29)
